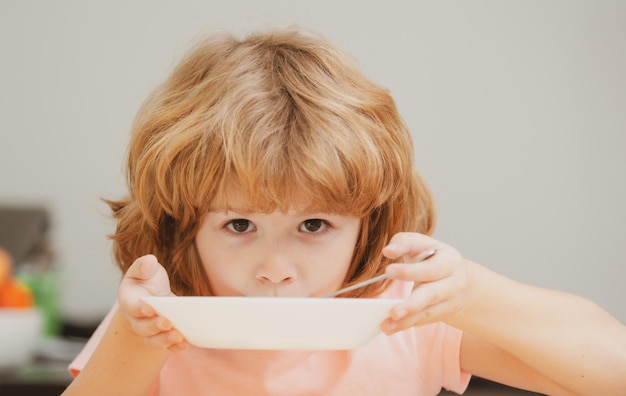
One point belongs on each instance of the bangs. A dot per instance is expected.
(294, 128)
(305, 169)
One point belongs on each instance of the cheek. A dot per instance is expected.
(221, 275)
(215, 261)
(339, 252)
(213, 258)
(209, 259)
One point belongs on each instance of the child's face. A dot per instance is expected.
(292, 254)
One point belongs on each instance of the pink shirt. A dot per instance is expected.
(419, 361)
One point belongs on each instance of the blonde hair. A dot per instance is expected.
(277, 116)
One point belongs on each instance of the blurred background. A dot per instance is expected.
(518, 112)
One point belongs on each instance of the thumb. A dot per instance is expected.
(145, 277)
(147, 273)
(143, 269)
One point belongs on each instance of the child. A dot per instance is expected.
(271, 167)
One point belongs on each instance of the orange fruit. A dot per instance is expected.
(6, 266)
(15, 294)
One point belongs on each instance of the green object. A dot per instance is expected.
(44, 285)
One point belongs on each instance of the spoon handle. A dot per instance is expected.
(424, 256)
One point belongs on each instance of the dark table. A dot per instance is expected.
(482, 387)
(35, 379)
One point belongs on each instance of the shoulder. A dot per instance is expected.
(77, 365)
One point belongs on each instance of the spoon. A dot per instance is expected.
(423, 256)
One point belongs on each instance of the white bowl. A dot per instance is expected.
(20, 335)
(275, 322)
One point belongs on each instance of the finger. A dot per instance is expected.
(425, 296)
(179, 346)
(131, 303)
(148, 327)
(428, 270)
(408, 244)
(172, 340)
(430, 302)
(131, 296)
(428, 315)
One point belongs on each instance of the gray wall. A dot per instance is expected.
(517, 109)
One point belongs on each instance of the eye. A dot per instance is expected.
(240, 226)
(313, 225)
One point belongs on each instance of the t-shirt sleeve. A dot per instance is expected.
(455, 379)
(77, 365)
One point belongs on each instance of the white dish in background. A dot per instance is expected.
(275, 322)
(21, 331)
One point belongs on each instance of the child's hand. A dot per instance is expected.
(441, 282)
(146, 277)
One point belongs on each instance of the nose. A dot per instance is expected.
(276, 267)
